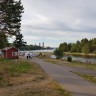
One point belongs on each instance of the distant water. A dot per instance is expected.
(45, 50)
(91, 60)
(34, 52)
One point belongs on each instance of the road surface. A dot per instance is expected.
(73, 83)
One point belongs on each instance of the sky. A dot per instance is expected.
(57, 21)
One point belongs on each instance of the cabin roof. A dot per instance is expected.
(7, 48)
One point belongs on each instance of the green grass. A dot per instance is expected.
(81, 54)
(87, 77)
(17, 69)
(14, 68)
(72, 64)
(83, 65)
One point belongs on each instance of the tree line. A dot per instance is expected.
(34, 47)
(10, 18)
(82, 46)
(31, 47)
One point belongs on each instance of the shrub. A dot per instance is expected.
(69, 59)
(58, 53)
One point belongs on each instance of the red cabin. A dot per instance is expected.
(10, 52)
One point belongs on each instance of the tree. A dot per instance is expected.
(69, 47)
(31, 47)
(10, 16)
(86, 48)
(58, 53)
(63, 47)
(74, 47)
(93, 45)
(3, 40)
(84, 41)
(78, 46)
(19, 42)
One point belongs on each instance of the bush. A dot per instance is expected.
(69, 59)
(58, 53)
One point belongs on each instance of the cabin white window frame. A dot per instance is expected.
(14, 53)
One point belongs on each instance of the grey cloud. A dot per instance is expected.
(62, 17)
(61, 26)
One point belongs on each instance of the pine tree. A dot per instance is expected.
(10, 16)
(19, 41)
(3, 40)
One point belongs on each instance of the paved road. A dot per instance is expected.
(73, 83)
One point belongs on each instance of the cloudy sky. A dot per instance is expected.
(57, 21)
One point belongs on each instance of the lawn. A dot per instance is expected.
(26, 78)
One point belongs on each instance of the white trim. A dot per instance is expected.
(14, 53)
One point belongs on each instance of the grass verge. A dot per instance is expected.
(87, 77)
(26, 78)
(10, 69)
(81, 54)
(73, 64)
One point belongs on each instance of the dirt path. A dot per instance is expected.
(73, 83)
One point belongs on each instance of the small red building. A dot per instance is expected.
(10, 52)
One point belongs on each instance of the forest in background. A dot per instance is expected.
(83, 46)
(34, 47)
